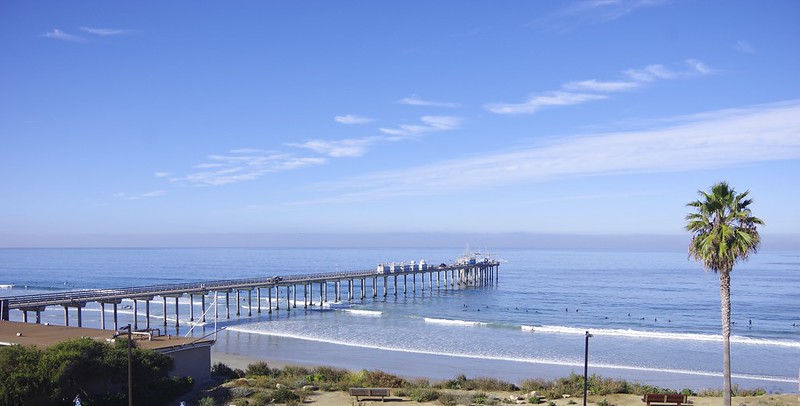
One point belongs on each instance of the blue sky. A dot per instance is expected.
(205, 118)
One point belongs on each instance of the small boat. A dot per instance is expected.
(6, 286)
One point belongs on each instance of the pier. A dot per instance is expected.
(398, 278)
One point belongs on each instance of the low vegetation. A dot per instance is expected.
(261, 385)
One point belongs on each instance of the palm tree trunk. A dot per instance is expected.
(725, 296)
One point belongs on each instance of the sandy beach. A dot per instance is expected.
(238, 350)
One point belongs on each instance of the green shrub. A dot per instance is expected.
(239, 402)
(284, 395)
(480, 399)
(258, 368)
(207, 401)
(418, 383)
(259, 399)
(290, 371)
(223, 371)
(603, 402)
(241, 392)
(381, 379)
(96, 370)
(261, 381)
(447, 399)
(489, 384)
(424, 395)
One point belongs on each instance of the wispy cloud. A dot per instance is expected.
(593, 85)
(744, 46)
(430, 124)
(416, 101)
(594, 12)
(650, 73)
(717, 139)
(579, 92)
(155, 193)
(538, 102)
(352, 119)
(61, 35)
(161, 174)
(698, 67)
(339, 148)
(243, 165)
(103, 32)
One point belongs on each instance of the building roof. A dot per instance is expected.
(43, 335)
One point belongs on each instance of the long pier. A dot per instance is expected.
(466, 272)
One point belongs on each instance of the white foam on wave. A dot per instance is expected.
(545, 361)
(367, 313)
(449, 322)
(660, 335)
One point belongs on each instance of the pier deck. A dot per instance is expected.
(477, 273)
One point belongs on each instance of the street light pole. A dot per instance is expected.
(586, 368)
(130, 375)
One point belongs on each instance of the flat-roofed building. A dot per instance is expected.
(192, 356)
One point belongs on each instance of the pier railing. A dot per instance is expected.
(111, 294)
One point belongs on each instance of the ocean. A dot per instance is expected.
(653, 316)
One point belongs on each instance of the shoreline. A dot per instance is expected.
(237, 350)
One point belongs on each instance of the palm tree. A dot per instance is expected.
(723, 233)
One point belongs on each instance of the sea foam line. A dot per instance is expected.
(367, 313)
(660, 335)
(449, 322)
(512, 359)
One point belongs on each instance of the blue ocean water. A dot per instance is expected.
(648, 312)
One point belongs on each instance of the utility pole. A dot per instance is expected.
(130, 368)
(586, 368)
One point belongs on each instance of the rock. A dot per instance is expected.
(310, 388)
(566, 396)
(278, 386)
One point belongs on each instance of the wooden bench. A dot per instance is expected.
(369, 392)
(665, 399)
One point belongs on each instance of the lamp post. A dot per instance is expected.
(130, 375)
(586, 368)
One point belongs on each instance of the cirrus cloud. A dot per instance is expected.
(416, 101)
(430, 124)
(103, 32)
(538, 102)
(338, 148)
(717, 139)
(241, 165)
(352, 119)
(579, 92)
(61, 35)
